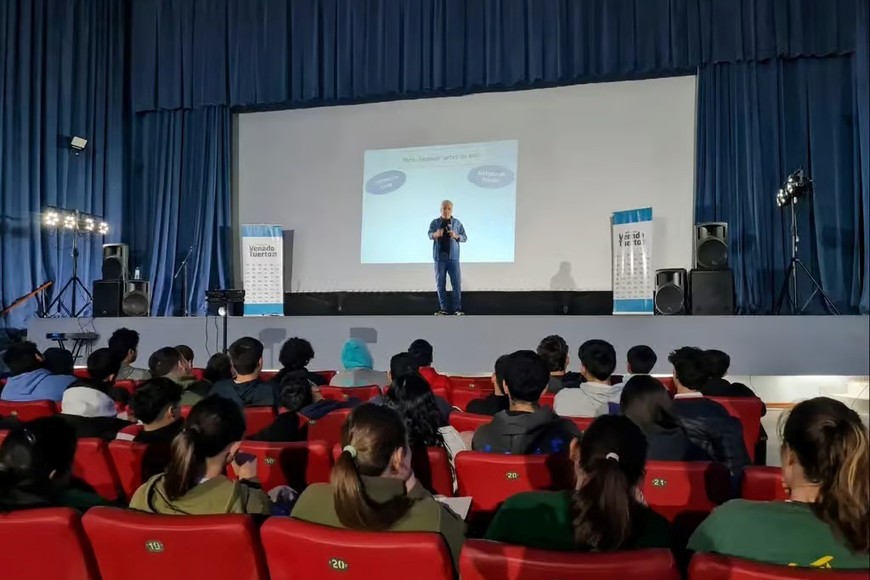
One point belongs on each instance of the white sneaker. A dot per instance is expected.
(459, 313)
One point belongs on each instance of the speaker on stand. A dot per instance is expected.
(670, 296)
(711, 282)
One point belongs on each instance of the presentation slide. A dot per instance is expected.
(403, 190)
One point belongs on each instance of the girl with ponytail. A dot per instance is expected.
(373, 486)
(194, 482)
(604, 513)
(826, 472)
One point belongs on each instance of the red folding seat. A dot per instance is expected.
(129, 386)
(185, 410)
(441, 392)
(81, 373)
(345, 393)
(431, 469)
(716, 567)
(295, 464)
(3, 436)
(198, 374)
(301, 550)
(326, 375)
(748, 411)
(462, 421)
(268, 375)
(93, 465)
(481, 383)
(258, 418)
(129, 458)
(581, 422)
(763, 484)
(27, 410)
(547, 400)
(485, 560)
(130, 544)
(668, 383)
(328, 427)
(461, 396)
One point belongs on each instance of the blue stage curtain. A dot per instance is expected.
(61, 74)
(179, 197)
(757, 122)
(271, 53)
(862, 97)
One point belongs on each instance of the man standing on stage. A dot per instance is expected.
(446, 232)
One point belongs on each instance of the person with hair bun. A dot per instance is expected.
(194, 482)
(826, 523)
(605, 512)
(373, 487)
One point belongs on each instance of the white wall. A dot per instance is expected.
(584, 152)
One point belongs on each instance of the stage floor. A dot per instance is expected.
(758, 345)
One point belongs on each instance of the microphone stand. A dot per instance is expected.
(182, 269)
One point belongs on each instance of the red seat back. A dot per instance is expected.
(3, 436)
(485, 560)
(27, 410)
(268, 375)
(301, 550)
(131, 544)
(293, 464)
(326, 375)
(81, 373)
(129, 386)
(459, 382)
(185, 410)
(128, 458)
(258, 418)
(45, 543)
(581, 422)
(748, 411)
(345, 393)
(468, 421)
(460, 396)
(547, 400)
(441, 392)
(763, 484)
(716, 567)
(431, 469)
(328, 427)
(198, 374)
(93, 465)
(491, 478)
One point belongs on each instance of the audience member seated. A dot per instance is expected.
(168, 362)
(717, 363)
(125, 344)
(411, 397)
(58, 361)
(157, 405)
(358, 365)
(247, 389)
(373, 487)
(187, 353)
(825, 525)
(605, 513)
(88, 405)
(404, 364)
(525, 427)
(422, 351)
(554, 350)
(725, 431)
(218, 368)
(194, 482)
(647, 403)
(497, 401)
(36, 468)
(29, 380)
(295, 355)
(598, 361)
(641, 360)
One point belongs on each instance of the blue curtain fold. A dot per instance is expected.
(61, 74)
(862, 171)
(279, 53)
(179, 198)
(758, 122)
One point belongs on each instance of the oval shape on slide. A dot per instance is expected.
(491, 176)
(386, 182)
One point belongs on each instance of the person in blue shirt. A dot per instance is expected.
(446, 233)
(30, 380)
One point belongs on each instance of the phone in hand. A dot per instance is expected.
(241, 458)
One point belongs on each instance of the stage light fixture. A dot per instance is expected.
(51, 219)
(104, 228)
(78, 144)
(69, 222)
(795, 187)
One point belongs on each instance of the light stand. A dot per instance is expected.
(223, 299)
(182, 270)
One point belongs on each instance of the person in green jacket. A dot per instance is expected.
(194, 482)
(826, 523)
(605, 512)
(36, 465)
(373, 487)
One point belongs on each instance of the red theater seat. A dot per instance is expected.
(486, 560)
(581, 422)
(268, 375)
(481, 383)
(45, 543)
(198, 374)
(462, 421)
(129, 386)
(326, 375)
(258, 418)
(93, 465)
(27, 410)
(763, 484)
(547, 400)
(668, 383)
(128, 458)
(81, 373)
(293, 464)
(460, 396)
(301, 550)
(328, 427)
(345, 393)
(716, 567)
(131, 545)
(3, 436)
(748, 411)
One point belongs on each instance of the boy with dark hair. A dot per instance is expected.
(497, 401)
(554, 350)
(525, 428)
(294, 357)
(717, 364)
(89, 404)
(641, 360)
(186, 352)
(58, 361)
(247, 389)
(157, 404)
(29, 380)
(170, 363)
(403, 364)
(423, 352)
(592, 397)
(125, 344)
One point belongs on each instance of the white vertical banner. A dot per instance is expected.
(263, 269)
(633, 276)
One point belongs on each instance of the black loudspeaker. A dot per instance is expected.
(107, 298)
(712, 292)
(116, 258)
(137, 298)
(670, 297)
(711, 246)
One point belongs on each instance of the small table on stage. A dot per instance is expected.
(79, 340)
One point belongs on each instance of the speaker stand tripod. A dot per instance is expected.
(791, 278)
(74, 284)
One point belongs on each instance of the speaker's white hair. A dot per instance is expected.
(446, 202)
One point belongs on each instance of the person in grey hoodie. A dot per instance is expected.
(591, 398)
(525, 428)
(30, 381)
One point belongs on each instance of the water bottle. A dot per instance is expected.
(137, 274)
